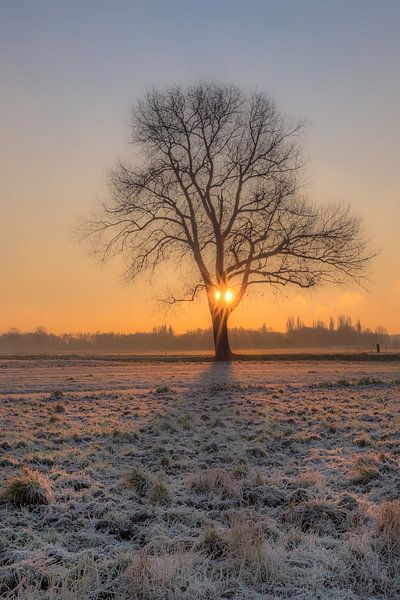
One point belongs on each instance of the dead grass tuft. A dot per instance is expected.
(30, 488)
(362, 440)
(213, 541)
(359, 568)
(159, 493)
(317, 516)
(254, 555)
(139, 480)
(388, 528)
(257, 451)
(213, 481)
(178, 575)
(365, 468)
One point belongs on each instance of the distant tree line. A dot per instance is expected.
(341, 333)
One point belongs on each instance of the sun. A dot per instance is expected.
(227, 296)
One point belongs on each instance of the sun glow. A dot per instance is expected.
(227, 295)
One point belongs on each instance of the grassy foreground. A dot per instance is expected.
(216, 486)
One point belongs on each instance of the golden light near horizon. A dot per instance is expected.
(227, 296)
(52, 281)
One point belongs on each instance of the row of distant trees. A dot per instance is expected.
(340, 333)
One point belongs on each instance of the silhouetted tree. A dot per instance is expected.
(218, 185)
(290, 325)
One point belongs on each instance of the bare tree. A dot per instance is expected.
(219, 184)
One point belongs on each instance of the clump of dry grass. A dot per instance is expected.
(253, 554)
(38, 579)
(179, 575)
(258, 491)
(39, 458)
(8, 461)
(146, 486)
(318, 516)
(365, 468)
(123, 436)
(257, 451)
(247, 547)
(359, 568)
(139, 480)
(363, 440)
(159, 493)
(310, 479)
(30, 488)
(305, 437)
(76, 483)
(213, 541)
(215, 480)
(167, 425)
(388, 528)
(348, 502)
(241, 469)
(298, 496)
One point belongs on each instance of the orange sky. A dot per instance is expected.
(70, 79)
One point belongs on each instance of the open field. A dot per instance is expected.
(190, 480)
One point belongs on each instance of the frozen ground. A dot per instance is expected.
(201, 481)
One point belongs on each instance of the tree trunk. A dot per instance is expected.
(221, 337)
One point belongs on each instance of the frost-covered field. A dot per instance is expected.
(199, 481)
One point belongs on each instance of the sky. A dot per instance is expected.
(70, 72)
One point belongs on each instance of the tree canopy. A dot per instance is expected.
(218, 183)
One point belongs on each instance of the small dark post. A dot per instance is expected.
(378, 348)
